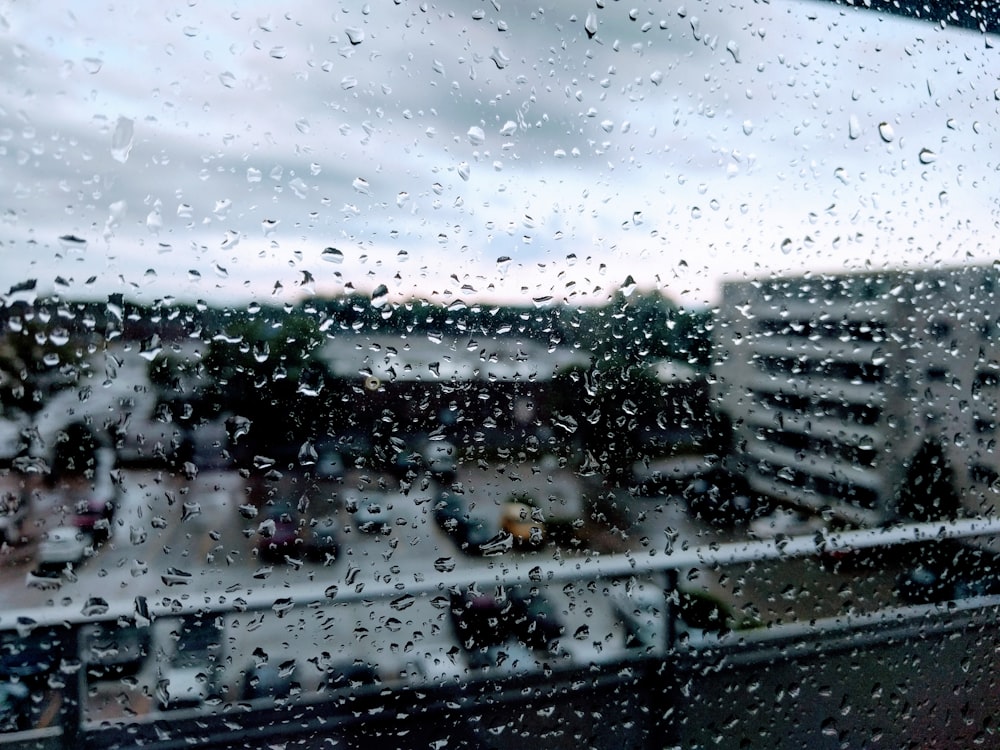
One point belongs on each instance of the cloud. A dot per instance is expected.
(425, 142)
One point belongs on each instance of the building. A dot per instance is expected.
(496, 392)
(869, 396)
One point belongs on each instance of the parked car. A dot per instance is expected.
(94, 515)
(320, 540)
(13, 513)
(62, 546)
(505, 659)
(469, 527)
(641, 608)
(524, 523)
(270, 680)
(191, 676)
(31, 658)
(508, 620)
(330, 464)
(15, 706)
(109, 650)
(722, 498)
(949, 569)
(534, 619)
(349, 675)
(440, 457)
(370, 512)
(278, 534)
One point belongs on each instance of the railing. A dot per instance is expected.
(925, 671)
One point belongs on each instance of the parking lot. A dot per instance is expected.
(246, 535)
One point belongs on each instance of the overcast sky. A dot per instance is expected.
(481, 151)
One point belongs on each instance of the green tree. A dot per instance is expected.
(265, 368)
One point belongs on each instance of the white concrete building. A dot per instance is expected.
(837, 385)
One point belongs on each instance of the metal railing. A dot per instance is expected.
(653, 698)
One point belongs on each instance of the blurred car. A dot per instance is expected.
(534, 620)
(478, 619)
(94, 516)
(269, 680)
(110, 650)
(698, 615)
(469, 528)
(948, 569)
(524, 523)
(440, 457)
(191, 676)
(278, 534)
(63, 545)
(15, 706)
(435, 668)
(641, 608)
(505, 659)
(670, 475)
(13, 514)
(369, 511)
(320, 540)
(517, 619)
(723, 498)
(348, 675)
(30, 658)
(330, 464)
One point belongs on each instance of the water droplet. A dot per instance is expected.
(927, 156)
(747, 127)
(121, 139)
(656, 77)
(227, 79)
(786, 246)
(853, 128)
(463, 170)
(307, 456)
(302, 125)
(332, 255)
(476, 135)
(886, 132)
(261, 351)
(94, 607)
(509, 128)
(841, 174)
(497, 545)
(590, 25)
(733, 49)
(354, 35)
(348, 82)
(92, 64)
(263, 462)
(175, 577)
(403, 602)
(190, 510)
(361, 185)
(499, 58)
(380, 296)
(444, 565)
(582, 633)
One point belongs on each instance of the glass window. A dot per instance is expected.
(484, 374)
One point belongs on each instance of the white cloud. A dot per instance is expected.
(678, 148)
